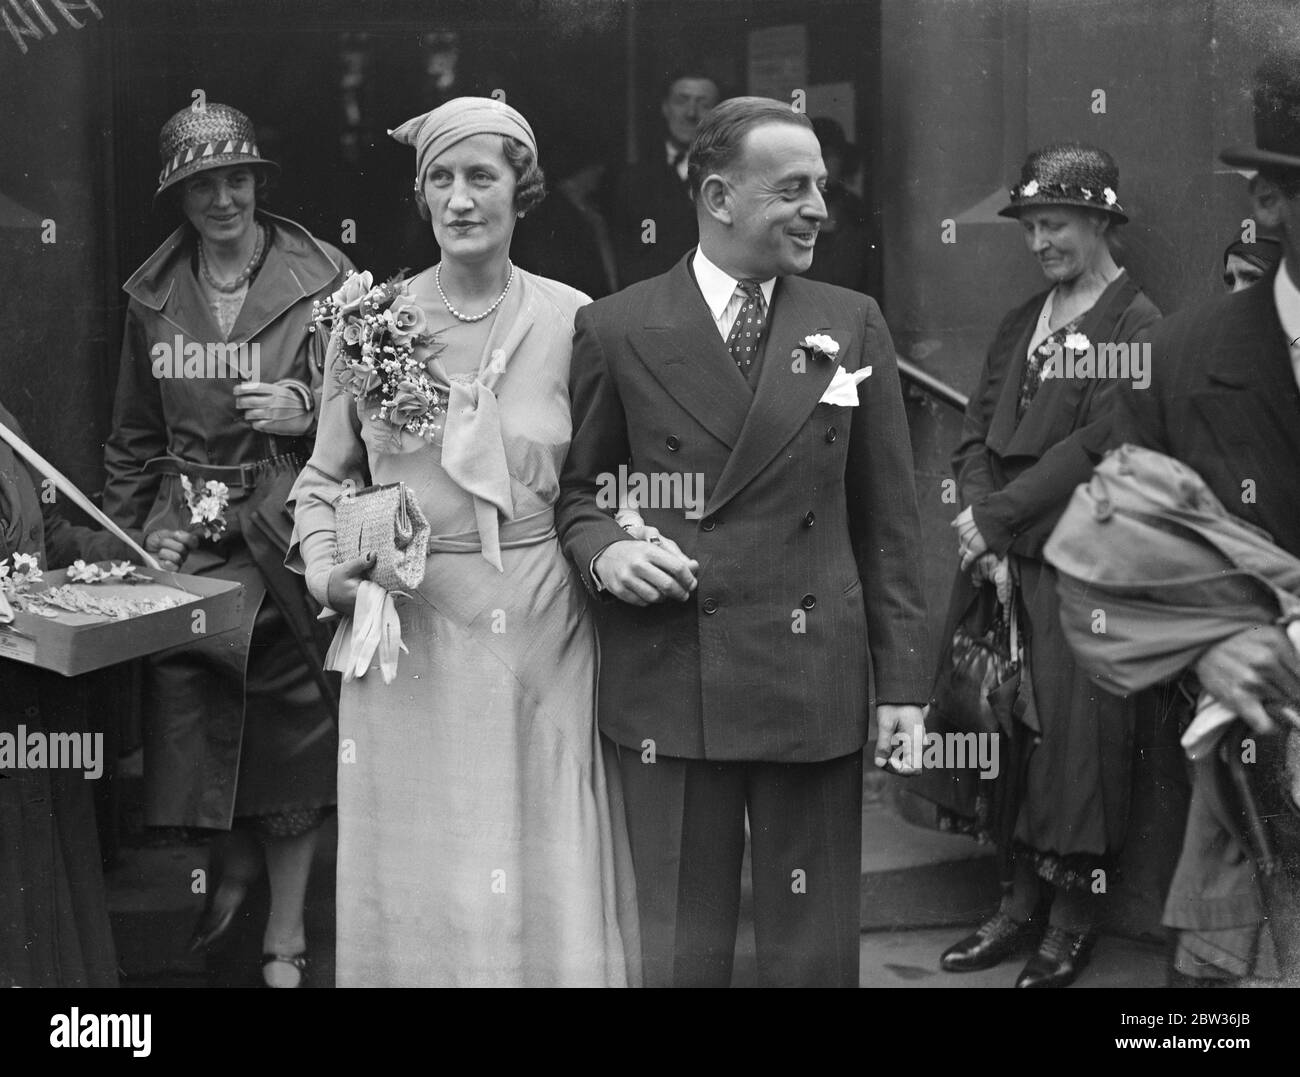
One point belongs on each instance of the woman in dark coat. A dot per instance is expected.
(1034, 428)
(53, 916)
(220, 380)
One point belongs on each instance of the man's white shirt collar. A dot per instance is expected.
(718, 286)
(1286, 296)
(675, 158)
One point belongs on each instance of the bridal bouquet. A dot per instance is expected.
(376, 329)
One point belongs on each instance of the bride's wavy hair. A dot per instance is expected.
(530, 181)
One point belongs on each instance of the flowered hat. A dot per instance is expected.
(216, 137)
(1068, 174)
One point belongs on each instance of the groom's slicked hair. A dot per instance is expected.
(718, 139)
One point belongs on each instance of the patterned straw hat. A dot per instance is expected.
(1068, 174)
(193, 141)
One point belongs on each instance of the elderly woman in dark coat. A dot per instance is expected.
(1034, 428)
(220, 381)
(53, 917)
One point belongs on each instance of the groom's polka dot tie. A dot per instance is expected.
(747, 330)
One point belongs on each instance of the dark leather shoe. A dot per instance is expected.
(993, 942)
(1061, 956)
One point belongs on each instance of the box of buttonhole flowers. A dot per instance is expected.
(87, 616)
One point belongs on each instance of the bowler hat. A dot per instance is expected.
(1277, 117)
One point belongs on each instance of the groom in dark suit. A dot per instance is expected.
(743, 643)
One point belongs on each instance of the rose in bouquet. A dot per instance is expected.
(376, 330)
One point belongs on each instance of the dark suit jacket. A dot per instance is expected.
(1223, 400)
(808, 542)
(650, 190)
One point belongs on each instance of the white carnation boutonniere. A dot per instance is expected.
(820, 346)
(1077, 342)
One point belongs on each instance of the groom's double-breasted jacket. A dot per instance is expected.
(805, 528)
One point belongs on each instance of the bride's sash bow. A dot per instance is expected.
(474, 457)
(473, 447)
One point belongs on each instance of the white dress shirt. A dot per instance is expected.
(1287, 298)
(721, 296)
(675, 158)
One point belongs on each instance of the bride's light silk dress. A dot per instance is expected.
(480, 842)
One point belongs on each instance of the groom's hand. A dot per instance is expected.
(901, 729)
(643, 573)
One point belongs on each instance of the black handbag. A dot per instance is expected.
(981, 656)
(977, 690)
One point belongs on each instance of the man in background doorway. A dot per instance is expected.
(654, 190)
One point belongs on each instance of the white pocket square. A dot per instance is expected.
(843, 389)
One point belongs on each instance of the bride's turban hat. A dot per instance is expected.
(459, 119)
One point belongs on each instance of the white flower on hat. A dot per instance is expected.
(1086, 192)
(1030, 189)
(1109, 196)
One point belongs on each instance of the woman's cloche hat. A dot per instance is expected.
(1068, 174)
(215, 136)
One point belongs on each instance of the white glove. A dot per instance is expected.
(373, 627)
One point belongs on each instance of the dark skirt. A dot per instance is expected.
(1076, 742)
(237, 725)
(54, 929)
(1079, 774)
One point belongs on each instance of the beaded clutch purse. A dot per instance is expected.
(387, 521)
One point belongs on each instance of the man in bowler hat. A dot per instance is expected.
(1224, 399)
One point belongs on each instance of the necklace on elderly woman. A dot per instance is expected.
(437, 279)
(244, 274)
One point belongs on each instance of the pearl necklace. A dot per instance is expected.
(437, 279)
(244, 274)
